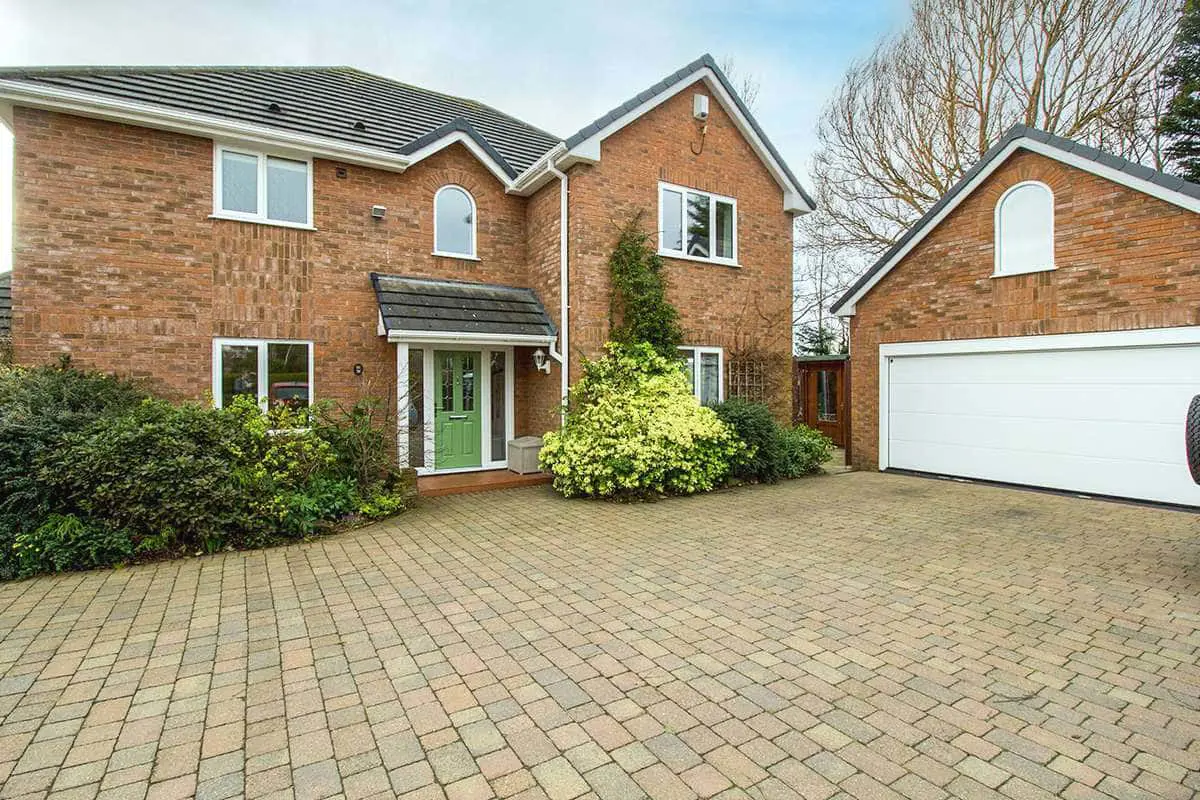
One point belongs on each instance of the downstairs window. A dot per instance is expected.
(704, 368)
(274, 373)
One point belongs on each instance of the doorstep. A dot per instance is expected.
(482, 481)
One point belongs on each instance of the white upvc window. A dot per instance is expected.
(255, 186)
(275, 372)
(454, 223)
(705, 370)
(697, 225)
(1024, 221)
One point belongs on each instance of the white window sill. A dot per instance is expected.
(459, 256)
(1013, 273)
(719, 262)
(300, 226)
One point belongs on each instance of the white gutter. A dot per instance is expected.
(444, 337)
(564, 286)
(537, 169)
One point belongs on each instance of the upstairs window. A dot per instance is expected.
(454, 222)
(1025, 229)
(257, 187)
(696, 225)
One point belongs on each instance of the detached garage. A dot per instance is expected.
(1040, 326)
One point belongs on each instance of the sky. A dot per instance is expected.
(554, 64)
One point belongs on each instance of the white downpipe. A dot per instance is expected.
(564, 310)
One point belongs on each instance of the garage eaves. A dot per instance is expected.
(1168, 188)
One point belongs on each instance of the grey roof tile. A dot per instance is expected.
(1018, 132)
(459, 124)
(346, 105)
(317, 101)
(454, 307)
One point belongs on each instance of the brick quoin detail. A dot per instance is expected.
(1124, 261)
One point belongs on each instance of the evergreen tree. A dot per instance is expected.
(639, 309)
(820, 340)
(1181, 124)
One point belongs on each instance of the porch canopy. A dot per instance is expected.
(436, 310)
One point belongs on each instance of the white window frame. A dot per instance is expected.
(999, 270)
(474, 254)
(262, 382)
(696, 352)
(712, 224)
(260, 216)
(428, 432)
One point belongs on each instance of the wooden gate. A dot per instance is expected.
(820, 395)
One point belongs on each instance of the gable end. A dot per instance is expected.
(1160, 185)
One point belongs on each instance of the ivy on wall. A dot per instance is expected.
(639, 310)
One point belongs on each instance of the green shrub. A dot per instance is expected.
(304, 511)
(754, 425)
(65, 542)
(179, 476)
(639, 309)
(38, 407)
(92, 472)
(383, 504)
(803, 450)
(634, 429)
(361, 438)
(773, 452)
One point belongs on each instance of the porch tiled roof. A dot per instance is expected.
(433, 306)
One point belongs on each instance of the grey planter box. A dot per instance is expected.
(523, 454)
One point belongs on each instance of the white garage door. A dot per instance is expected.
(1105, 419)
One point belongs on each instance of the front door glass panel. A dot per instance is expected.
(499, 415)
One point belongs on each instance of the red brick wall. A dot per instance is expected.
(735, 308)
(117, 263)
(541, 392)
(1124, 260)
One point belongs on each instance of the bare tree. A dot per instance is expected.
(908, 121)
(746, 84)
(820, 273)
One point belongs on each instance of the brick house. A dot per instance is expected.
(307, 234)
(1039, 326)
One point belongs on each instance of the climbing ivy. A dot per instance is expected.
(639, 310)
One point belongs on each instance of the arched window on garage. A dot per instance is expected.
(1025, 229)
(454, 222)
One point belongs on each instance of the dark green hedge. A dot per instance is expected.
(773, 451)
(94, 472)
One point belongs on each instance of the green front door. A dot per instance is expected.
(457, 434)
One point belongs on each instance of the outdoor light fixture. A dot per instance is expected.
(540, 361)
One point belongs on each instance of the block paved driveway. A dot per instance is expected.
(858, 635)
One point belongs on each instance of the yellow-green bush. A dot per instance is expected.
(633, 428)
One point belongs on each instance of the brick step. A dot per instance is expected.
(486, 481)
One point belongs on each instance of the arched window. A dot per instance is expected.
(1025, 229)
(454, 222)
